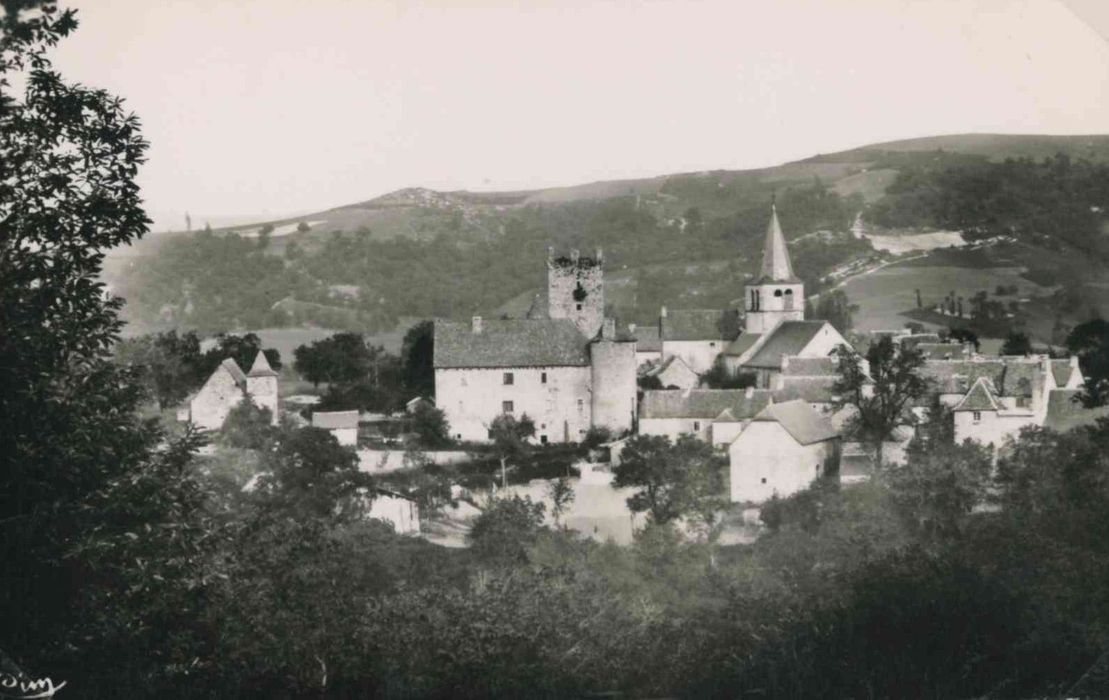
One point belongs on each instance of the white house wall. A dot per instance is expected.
(992, 427)
(698, 354)
(210, 406)
(472, 398)
(674, 428)
(766, 451)
(402, 513)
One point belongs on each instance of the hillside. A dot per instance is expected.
(418, 252)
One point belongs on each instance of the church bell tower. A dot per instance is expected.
(777, 294)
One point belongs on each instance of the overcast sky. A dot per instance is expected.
(257, 108)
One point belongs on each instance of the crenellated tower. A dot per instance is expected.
(575, 290)
(777, 294)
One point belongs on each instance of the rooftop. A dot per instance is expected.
(261, 367)
(776, 265)
(646, 338)
(1065, 412)
(979, 398)
(700, 324)
(1010, 376)
(805, 425)
(787, 338)
(703, 403)
(510, 343)
(333, 420)
(741, 344)
(810, 367)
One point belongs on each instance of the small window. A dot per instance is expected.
(579, 307)
(509, 379)
(712, 345)
(789, 292)
(507, 407)
(542, 426)
(543, 439)
(696, 425)
(543, 378)
(764, 480)
(977, 416)
(458, 436)
(581, 404)
(777, 292)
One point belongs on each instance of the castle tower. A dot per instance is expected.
(575, 290)
(261, 385)
(613, 374)
(777, 294)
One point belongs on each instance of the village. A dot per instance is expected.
(779, 422)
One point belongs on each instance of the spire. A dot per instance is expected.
(261, 367)
(776, 266)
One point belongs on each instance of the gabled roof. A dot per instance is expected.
(979, 398)
(1065, 412)
(808, 389)
(776, 265)
(805, 425)
(787, 338)
(810, 367)
(510, 343)
(333, 420)
(1010, 377)
(703, 403)
(742, 344)
(726, 416)
(646, 339)
(261, 367)
(700, 324)
(232, 368)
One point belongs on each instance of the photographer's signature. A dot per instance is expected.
(23, 688)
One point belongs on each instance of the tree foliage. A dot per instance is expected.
(1090, 342)
(675, 480)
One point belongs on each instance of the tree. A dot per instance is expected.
(243, 349)
(674, 480)
(95, 505)
(417, 354)
(937, 488)
(510, 439)
(340, 358)
(504, 531)
(1017, 344)
(264, 234)
(835, 308)
(430, 426)
(1090, 342)
(303, 227)
(880, 398)
(561, 493)
(310, 475)
(170, 364)
(720, 377)
(248, 427)
(965, 335)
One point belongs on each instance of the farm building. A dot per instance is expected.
(226, 387)
(343, 425)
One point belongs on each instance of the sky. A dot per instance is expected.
(261, 108)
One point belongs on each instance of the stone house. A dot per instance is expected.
(798, 339)
(226, 387)
(783, 450)
(673, 373)
(563, 366)
(713, 415)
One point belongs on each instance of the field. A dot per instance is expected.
(883, 295)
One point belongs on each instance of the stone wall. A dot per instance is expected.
(613, 372)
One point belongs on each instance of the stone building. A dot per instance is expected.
(563, 366)
(709, 414)
(343, 425)
(783, 450)
(226, 387)
(777, 294)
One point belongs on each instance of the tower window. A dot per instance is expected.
(543, 439)
(543, 378)
(507, 407)
(509, 379)
(696, 425)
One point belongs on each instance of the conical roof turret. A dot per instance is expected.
(261, 367)
(776, 266)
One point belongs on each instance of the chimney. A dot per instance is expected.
(608, 329)
(600, 256)
(631, 328)
(550, 253)
(662, 312)
(575, 255)
(749, 392)
(475, 324)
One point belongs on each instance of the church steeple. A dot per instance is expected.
(777, 294)
(776, 266)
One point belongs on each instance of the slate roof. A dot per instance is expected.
(647, 339)
(261, 367)
(742, 344)
(979, 398)
(810, 367)
(1061, 370)
(1009, 377)
(510, 343)
(805, 425)
(787, 338)
(703, 403)
(233, 368)
(808, 389)
(726, 416)
(1065, 412)
(700, 324)
(333, 420)
(921, 339)
(776, 265)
